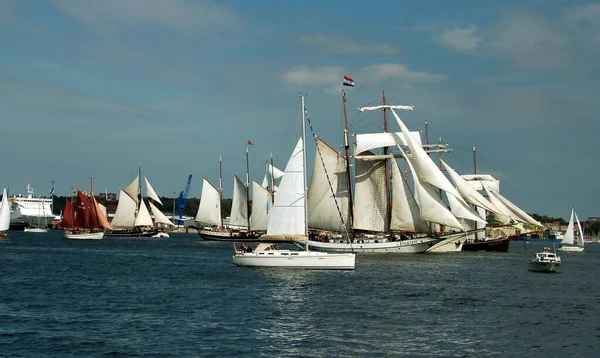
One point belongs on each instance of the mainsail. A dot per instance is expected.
(261, 202)
(370, 203)
(288, 218)
(4, 212)
(239, 206)
(324, 206)
(405, 210)
(209, 211)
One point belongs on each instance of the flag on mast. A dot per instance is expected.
(250, 142)
(348, 81)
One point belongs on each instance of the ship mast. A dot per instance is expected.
(220, 191)
(347, 153)
(304, 167)
(388, 192)
(247, 187)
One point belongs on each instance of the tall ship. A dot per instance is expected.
(29, 209)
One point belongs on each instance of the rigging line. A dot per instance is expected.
(326, 174)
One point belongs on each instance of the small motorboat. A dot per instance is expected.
(545, 261)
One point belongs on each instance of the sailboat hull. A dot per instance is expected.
(453, 243)
(229, 236)
(491, 245)
(372, 246)
(133, 233)
(295, 259)
(35, 229)
(570, 248)
(84, 235)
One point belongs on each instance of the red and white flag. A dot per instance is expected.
(348, 81)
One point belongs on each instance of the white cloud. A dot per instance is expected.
(108, 16)
(41, 96)
(398, 71)
(307, 76)
(528, 41)
(338, 45)
(585, 14)
(461, 39)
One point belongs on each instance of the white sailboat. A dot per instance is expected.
(209, 220)
(39, 227)
(377, 222)
(288, 223)
(132, 217)
(4, 214)
(571, 241)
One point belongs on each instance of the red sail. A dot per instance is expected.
(67, 219)
(94, 224)
(82, 217)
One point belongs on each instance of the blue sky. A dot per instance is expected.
(102, 87)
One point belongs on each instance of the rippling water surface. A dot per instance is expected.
(183, 297)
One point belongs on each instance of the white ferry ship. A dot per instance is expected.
(29, 209)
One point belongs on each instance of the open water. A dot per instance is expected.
(182, 297)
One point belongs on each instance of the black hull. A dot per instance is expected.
(131, 233)
(18, 226)
(233, 237)
(495, 245)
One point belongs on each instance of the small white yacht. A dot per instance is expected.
(545, 261)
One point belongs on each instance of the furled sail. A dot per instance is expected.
(369, 141)
(125, 213)
(323, 204)
(370, 204)
(209, 210)
(151, 192)
(288, 218)
(239, 206)
(405, 210)
(261, 202)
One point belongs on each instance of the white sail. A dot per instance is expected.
(125, 213)
(472, 196)
(143, 217)
(481, 181)
(133, 189)
(463, 211)
(209, 210)
(569, 236)
(580, 237)
(431, 206)
(426, 169)
(324, 206)
(289, 215)
(151, 193)
(405, 210)
(516, 210)
(274, 172)
(239, 206)
(370, 204)
(4, 212)
(503, 208)
(261, 201)
(103, 210)
(159, 217)
(369, 141)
